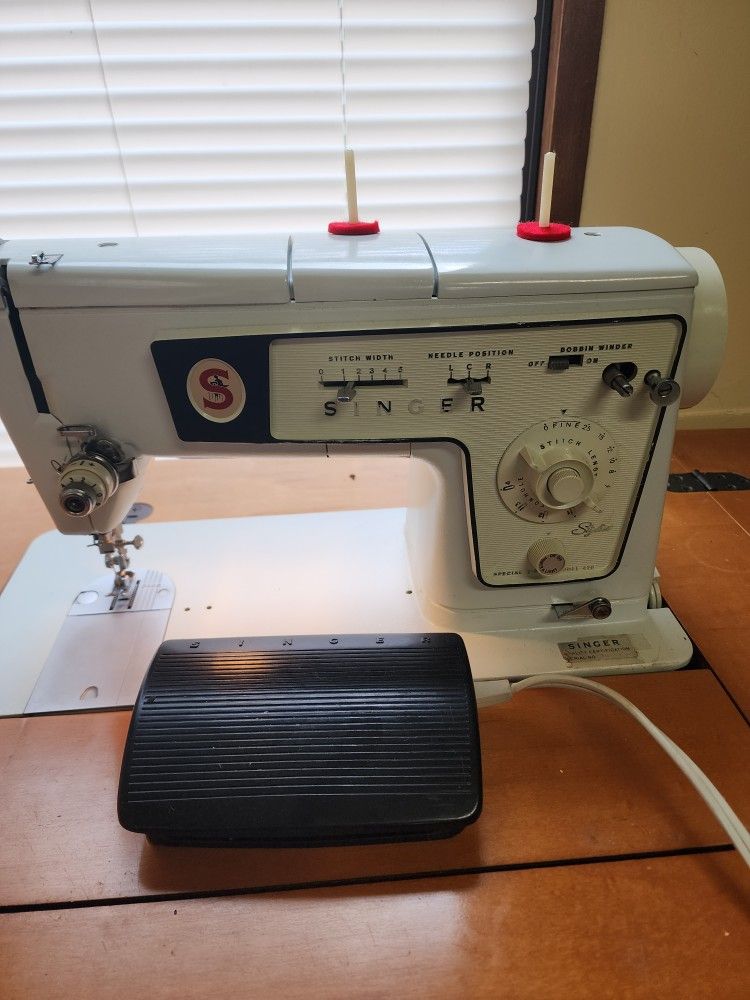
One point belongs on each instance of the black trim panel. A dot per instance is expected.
(14, 318)
(249, 355)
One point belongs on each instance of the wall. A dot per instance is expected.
(670, 152)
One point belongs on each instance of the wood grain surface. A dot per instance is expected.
(704, 557)
(575, 39)
(565, 776)
(667, 928)
(570, 785)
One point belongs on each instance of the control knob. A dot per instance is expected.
(561, 476)
(566, 485)
(547, 556)
(662, 391)
(558, 469)
(86, 482)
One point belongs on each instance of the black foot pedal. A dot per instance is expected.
(303, 741)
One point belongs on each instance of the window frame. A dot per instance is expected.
(565, 63)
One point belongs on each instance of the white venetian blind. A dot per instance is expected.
(159, 117)
(175, 116)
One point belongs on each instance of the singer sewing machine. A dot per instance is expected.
(315, 686)
(534, 388)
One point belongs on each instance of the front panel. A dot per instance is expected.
(555, 458)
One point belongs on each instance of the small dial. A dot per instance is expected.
(547, 556)
(558, 470)
(85, 484)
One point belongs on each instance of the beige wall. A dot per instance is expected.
(670, 152)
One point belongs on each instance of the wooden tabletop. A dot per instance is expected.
(594, 871)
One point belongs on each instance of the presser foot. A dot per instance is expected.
(114, 549)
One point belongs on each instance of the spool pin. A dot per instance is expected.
(545, 231)
(353, 226)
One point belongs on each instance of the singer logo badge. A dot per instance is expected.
(216, 390)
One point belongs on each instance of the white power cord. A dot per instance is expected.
(497, 690)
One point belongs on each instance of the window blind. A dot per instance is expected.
(160, 117)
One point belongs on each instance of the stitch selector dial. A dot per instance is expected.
(558, 469)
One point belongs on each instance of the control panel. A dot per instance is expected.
(555, 453)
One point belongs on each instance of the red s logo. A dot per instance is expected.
(216, 390)
(211, 381)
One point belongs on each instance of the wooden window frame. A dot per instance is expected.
(563, 85)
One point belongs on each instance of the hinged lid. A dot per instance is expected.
(149, 271)
(488, 263)
(389, 266)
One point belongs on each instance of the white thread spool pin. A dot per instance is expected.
(545, 199)
(545, 231)
(350, 167)
(353, 226)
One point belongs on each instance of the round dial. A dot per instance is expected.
(566, 486)
(85, 484)
(557, 470)
(547, 556)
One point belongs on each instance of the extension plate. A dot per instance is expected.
(345, 572)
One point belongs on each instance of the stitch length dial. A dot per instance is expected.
(558, 470)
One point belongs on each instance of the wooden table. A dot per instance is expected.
(594, 871)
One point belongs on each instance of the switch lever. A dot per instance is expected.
(346, 393)
(471, 383)
(597, 607)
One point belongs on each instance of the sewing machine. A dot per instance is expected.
(314, 685)
(532, 387)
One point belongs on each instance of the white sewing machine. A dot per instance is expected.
(534, 388)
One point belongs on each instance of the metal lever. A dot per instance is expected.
(472, 384)
(617, 377)
(597, 607)
(346, 393)
(473, 387)
(79, 432)
(43, 259)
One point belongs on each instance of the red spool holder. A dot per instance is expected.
(552, 233)
(353, 228)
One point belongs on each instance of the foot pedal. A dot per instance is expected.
(300, 741)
